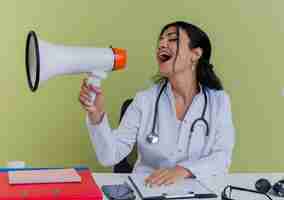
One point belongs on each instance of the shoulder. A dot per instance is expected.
(220, 97)
(221, 104)
(147, 93)
(145, 97)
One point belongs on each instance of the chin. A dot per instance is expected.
(165, 68)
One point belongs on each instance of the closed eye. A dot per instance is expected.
(173, 40)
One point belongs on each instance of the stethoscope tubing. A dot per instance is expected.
(155, 137)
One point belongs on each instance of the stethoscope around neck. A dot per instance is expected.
(153, 137)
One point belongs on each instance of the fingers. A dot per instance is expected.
(94, 106)
(161, 180)
(158, 178)
(85, 100)
(169, 180)
(87, 105)
(155, 173)
(84, 86)
(86, 93)
(85, 97)
(88, 89)
(165, 176)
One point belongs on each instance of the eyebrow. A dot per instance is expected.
(169, 34)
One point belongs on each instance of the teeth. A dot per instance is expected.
(164, 53)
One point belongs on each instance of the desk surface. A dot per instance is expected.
(216, 184)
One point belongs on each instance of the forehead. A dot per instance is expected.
(172, 31)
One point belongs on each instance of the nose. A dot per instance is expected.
(163, 43)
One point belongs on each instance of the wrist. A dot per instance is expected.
(96, 118)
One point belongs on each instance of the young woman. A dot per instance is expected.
(182, 125)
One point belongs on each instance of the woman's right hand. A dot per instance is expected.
(94, 109)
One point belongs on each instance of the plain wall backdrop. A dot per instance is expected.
(47, 128)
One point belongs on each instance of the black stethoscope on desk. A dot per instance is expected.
(153, 137)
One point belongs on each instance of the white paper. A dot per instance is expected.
(43, 176)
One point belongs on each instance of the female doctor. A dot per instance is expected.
(182, 125)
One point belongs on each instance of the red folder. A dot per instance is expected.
(85, 190)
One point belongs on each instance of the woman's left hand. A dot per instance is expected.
(167, 176)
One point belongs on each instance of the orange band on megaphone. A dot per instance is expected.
(120, 58)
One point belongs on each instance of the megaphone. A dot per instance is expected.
(45, 60)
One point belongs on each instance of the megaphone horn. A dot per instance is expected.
(45, 60)
(32, 61)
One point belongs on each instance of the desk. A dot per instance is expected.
(216, 184)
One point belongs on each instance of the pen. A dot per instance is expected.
(192, 195)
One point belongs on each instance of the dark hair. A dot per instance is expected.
(198, 38)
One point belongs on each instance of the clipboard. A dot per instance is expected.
(184, 189)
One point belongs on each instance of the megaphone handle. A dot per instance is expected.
(94, 82)
(93, 97)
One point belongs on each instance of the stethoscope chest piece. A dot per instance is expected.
(152, 138)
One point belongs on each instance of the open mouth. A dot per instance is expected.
(164, 56)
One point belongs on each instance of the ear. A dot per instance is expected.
(197, 53)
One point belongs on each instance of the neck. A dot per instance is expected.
(184, 89)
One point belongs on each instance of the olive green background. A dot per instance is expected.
(47, 128)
